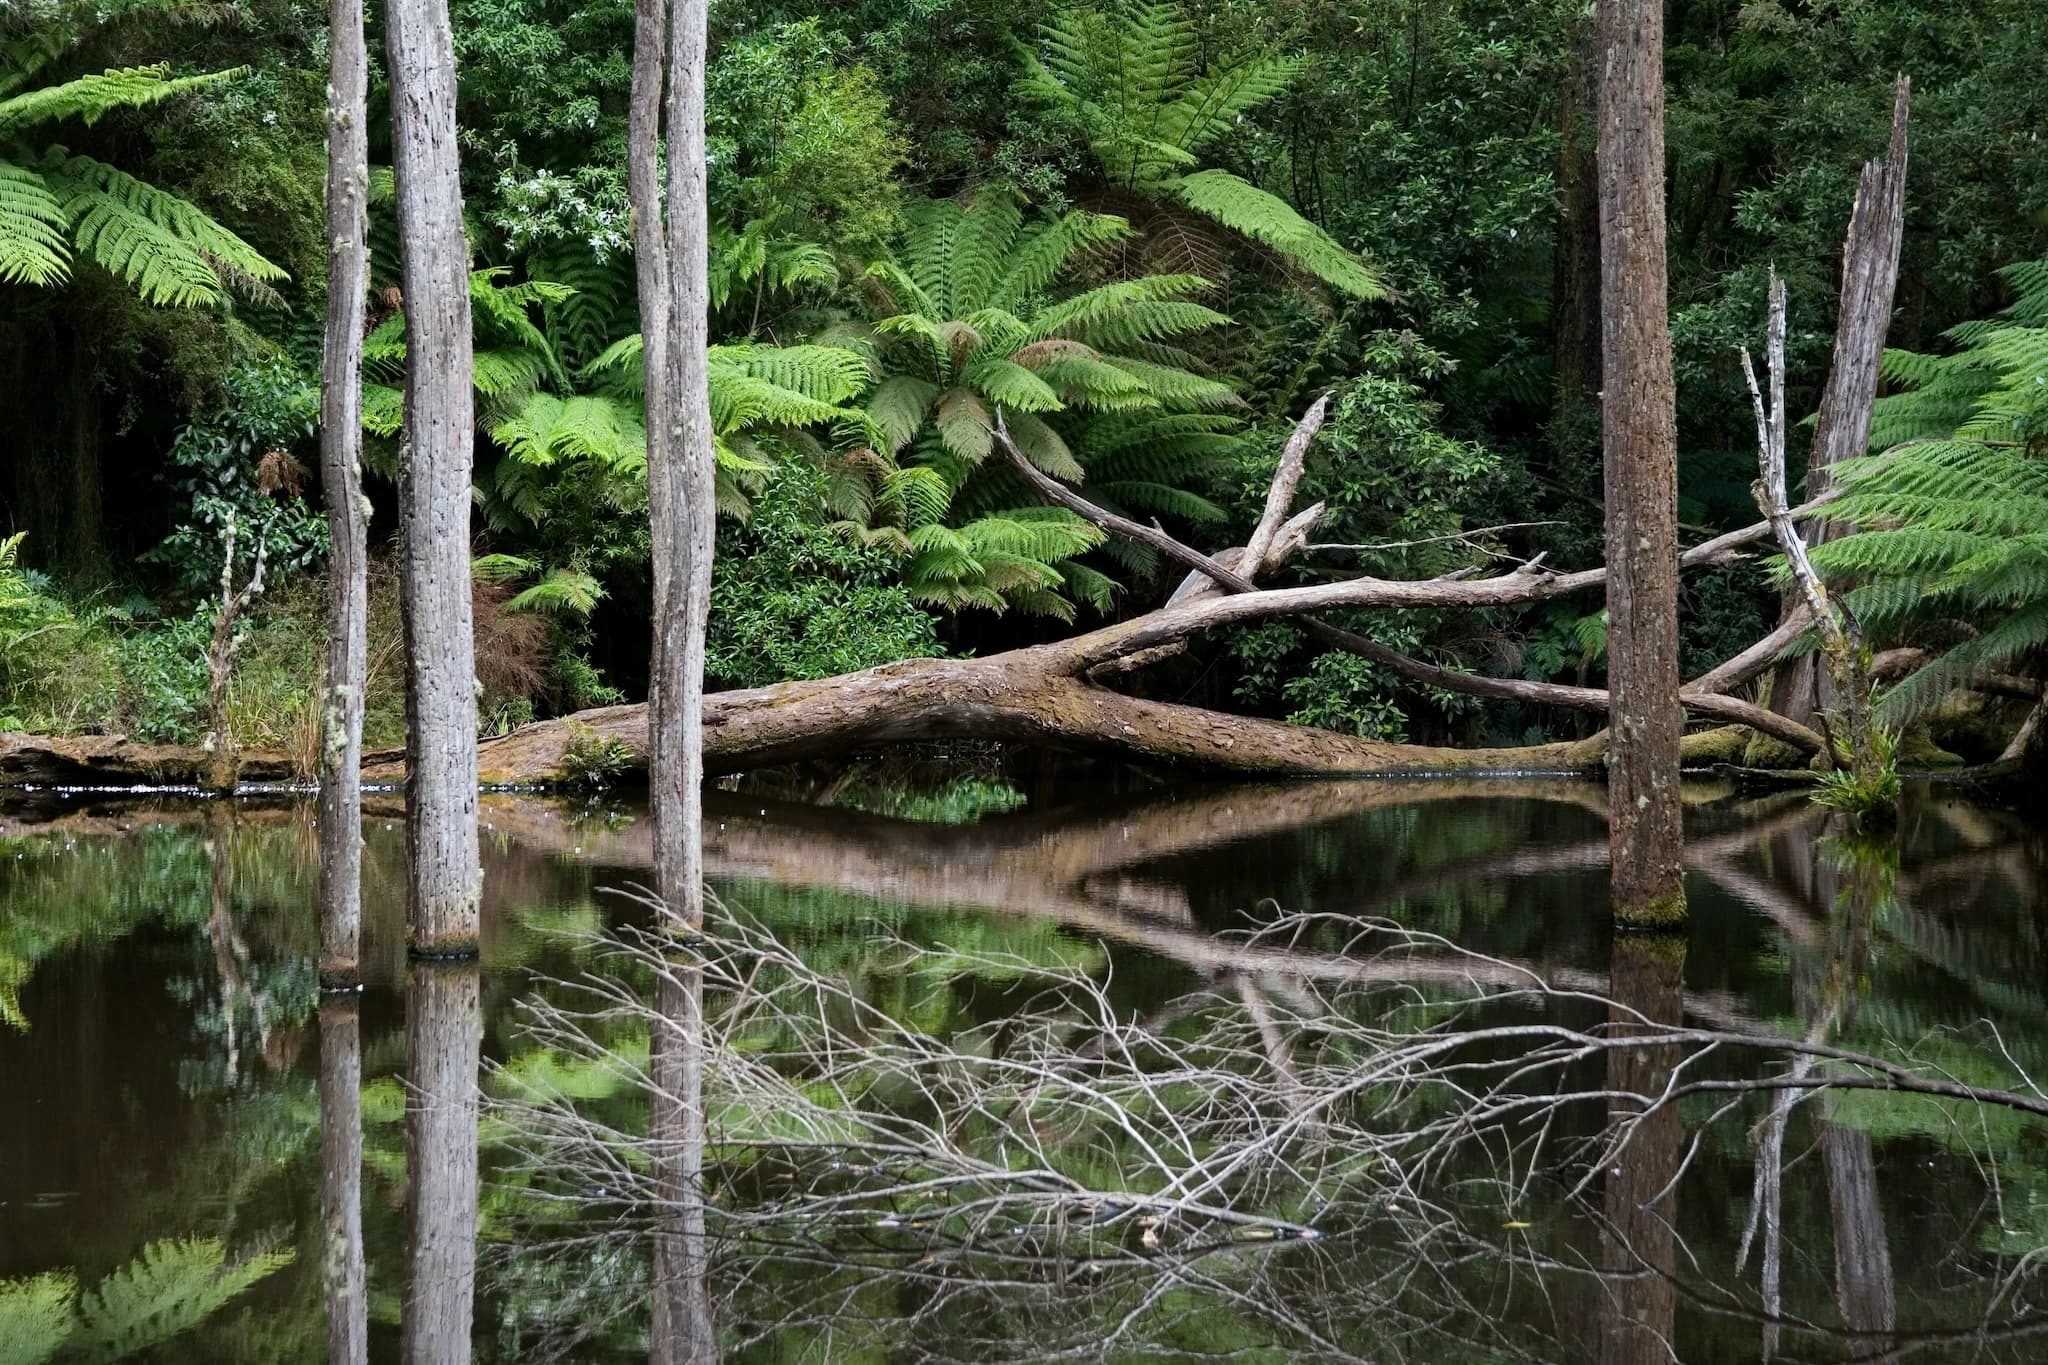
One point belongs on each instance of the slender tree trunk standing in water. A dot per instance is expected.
(672, 250)
(681, 493)
(434, 485)
(443, 1046)
(1641, 457)
(341, 1180)
(341, 449)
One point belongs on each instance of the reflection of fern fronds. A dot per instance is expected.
(172, 1287)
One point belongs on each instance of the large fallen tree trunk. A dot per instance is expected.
(1055, 694)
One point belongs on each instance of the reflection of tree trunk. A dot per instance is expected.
(444, 1037)
(341, 1179)
(230, 953)
(684, 1333)
(1647, 979)
(1863, 1258)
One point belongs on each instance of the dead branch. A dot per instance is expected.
(224, 759)
(1703, 701)
(1841, 637)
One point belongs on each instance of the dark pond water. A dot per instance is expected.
(1094, 1076)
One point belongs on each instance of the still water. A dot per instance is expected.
(1290, 1072)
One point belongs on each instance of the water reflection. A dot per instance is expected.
(443, 1041)
(1639, 1250)
(684, 1329)
(341, 1180)
(1119, 1057)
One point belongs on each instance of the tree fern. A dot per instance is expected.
(1135, 80)
(1952, 517)
(56, 207)
(971, 327)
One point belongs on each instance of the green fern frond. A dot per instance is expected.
(157, 243)
(564, 590)
(1272, 222)
(91, 98)
(33, 223)
(169, 1289)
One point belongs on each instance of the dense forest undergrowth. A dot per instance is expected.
(1146, 237)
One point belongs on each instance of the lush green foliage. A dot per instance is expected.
(924, 216)
(1135, 80)
(56, 204)
(969, 334)
(1954, 508)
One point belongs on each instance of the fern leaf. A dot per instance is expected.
(91, 98)
(169, 1289)
(160, 245)
(33, 249)
(1269, 220)
(564, 590)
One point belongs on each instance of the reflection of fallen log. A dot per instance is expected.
(1071, 869)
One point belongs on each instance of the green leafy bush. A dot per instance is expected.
(793, 598)
(248, 455)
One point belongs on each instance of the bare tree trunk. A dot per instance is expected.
(685, 524)
(341, 476)
(341, 1180)
(434, 485)
(1803, 689)
(650, 266)
(1641, 444)
(443, 1038)
(681, 494)
(1848, 661)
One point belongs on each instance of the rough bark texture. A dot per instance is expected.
(341, 446)
(341, 1180)
(1647, 983)
(650, 260)
(1870, 273)
(682, 493)
(443, 1040)
(434, 482)
(1641, 460)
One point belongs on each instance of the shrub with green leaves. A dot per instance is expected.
(1952, 515)
(791, 597)
(248, 456)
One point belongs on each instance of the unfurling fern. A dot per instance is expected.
(1953, 516)
(56, 206)
(1136, 81)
